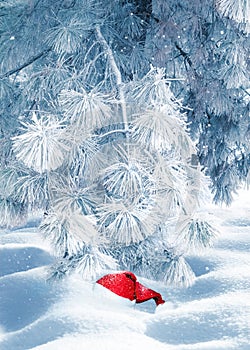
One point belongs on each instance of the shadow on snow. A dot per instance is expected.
(16, 260)
(23, 299)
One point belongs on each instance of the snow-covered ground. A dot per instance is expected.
(212, 314)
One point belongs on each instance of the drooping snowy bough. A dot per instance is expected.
(105, 154)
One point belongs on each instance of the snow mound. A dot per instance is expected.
(212, 314)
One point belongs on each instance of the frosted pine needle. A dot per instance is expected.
(195, 234)
(82, 227)
(178, 273)
(41, 145)
(238, 10)
(66, 38)
(86, 109)
(69, 199)
(55, 228)
(126, 224)
(58, 270)
(154, 89)
(8, 180)
(171, 185)
(157, 130)
(12, 212)
(234, 76)
(84, 152)
(92, 263)
(33, 189)
(68, 231)
(124, 180)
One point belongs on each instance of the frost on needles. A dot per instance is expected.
(114, 138)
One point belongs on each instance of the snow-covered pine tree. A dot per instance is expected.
(207, 44)
(94, 137)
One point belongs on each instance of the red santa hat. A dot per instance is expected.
(125, 284)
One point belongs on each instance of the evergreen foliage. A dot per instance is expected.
(100, 106)
(204, 46)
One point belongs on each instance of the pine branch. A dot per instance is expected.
(111, 132)
(186, 59)
(117, 74)
(26, 64)
(184, 54)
